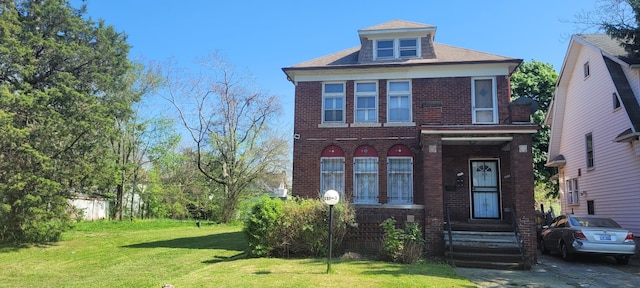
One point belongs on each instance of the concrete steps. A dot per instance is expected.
(495, 249)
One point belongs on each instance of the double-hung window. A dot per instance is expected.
(484, 101)
(332, 174)
(385, 48)
(408, 47)
(399, 101)
(571, 187)
(365, 180)
(333, 103)
(588, 139)
(396, 48)
(400, 180)
(366, 94)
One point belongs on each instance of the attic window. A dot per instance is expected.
(616, 101)
(384, 48)
(408, 47)
(586, 70)
(397, 48)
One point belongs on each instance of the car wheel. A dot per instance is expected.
(624, 260)
(566, 256)
(543, 249)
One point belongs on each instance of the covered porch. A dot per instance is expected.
(479, 178)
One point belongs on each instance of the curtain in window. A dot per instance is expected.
(365, 180)
(332, 175)
(400, 180)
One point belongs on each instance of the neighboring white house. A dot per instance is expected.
(595, 124)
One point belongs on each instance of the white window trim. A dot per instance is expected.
(408, 122)
(572, 192)
(494, 97)
(396, 48)
(334, 95)
(586, 70)
(410, 182)
(586, 152)
(417, 47)
(356, 94)
(355, 184)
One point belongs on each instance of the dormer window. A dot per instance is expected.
(384, 48)
(397, 48)
(408, 47)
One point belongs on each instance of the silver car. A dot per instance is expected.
(589, 234)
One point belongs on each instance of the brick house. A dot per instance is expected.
(409, 128)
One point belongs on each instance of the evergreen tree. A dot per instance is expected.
(56, 68)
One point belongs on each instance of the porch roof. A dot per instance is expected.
(477, 134)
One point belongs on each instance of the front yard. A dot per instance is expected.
(157, 252)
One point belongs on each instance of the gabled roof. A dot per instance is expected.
(616, 60)
(610, 46)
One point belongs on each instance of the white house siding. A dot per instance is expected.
(93, 208)
(614, 182)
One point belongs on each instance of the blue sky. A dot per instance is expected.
(264, 36)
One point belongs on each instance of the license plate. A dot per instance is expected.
(605, 237)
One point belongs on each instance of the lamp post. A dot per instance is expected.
(331, 197)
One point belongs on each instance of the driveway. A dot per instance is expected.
(552, 271)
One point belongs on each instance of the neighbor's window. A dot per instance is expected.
(400, 180)
(365, 180)
(588, 139)
(366, 95)
(571, 187)
(399, 101)
(616, 101)
(333, 96)
(484, 100)
(585, 68)
(332, 174)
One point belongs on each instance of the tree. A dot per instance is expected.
(231, 125)
(619, 19)
(55, 68)
(537, 80)
(129, 139)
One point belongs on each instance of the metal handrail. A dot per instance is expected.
(516, 228)
(450, 235)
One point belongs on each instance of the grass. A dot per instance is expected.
(157, 252)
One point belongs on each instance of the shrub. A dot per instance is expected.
(262, 226)
(301, 228)
(403, 246)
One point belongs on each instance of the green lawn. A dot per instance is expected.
(153, 253)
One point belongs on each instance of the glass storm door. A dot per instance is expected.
(485, 193)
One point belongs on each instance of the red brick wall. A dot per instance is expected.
(437, 100)
(367, 236)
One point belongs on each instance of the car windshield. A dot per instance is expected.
(593, 222)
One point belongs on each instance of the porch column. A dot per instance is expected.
(433, 194)
(522, 175)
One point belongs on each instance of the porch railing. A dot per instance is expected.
(516, 229)
(450, 235)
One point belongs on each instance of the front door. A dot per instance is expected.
(485, 191)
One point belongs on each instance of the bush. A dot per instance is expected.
(262, 226)
(301, 228)
(403, 246)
